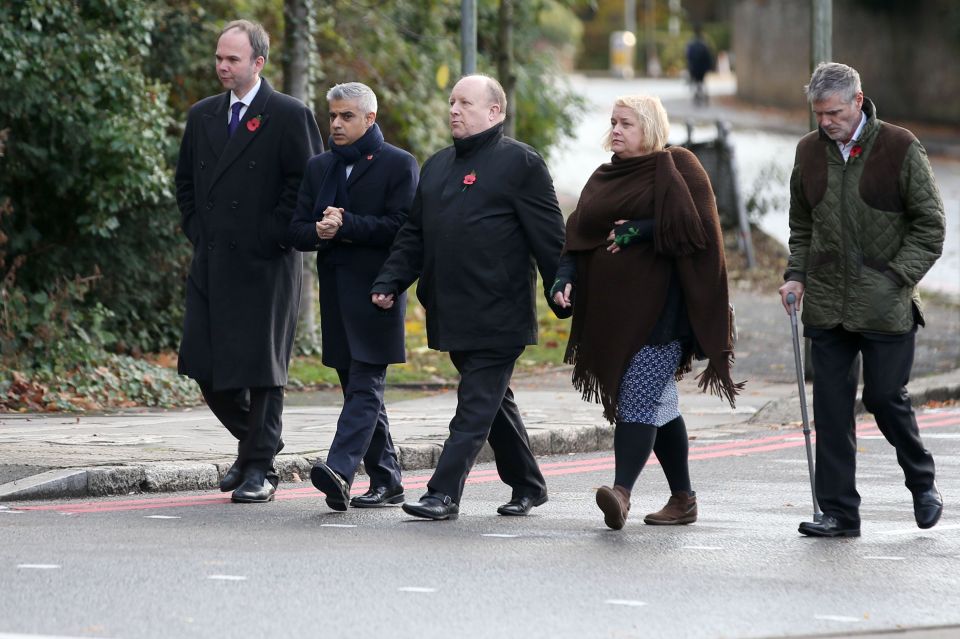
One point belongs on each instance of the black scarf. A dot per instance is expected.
(333, 189)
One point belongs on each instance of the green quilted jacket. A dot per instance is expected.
(864, 232)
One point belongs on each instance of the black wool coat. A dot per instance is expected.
(380, 191)
(236, 197)
(484, 218)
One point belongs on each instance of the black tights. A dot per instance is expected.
(633, 442)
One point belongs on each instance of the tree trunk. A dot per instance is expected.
(505, 65)
(297, 49)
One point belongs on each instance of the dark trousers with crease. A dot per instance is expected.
(257, 425)
(887, 362)
(486, 412)
(363, 431)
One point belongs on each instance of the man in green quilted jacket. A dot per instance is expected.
(866, 224)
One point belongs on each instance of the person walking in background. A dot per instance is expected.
(353, 200)
(485, 212)
(643, 269)
(240, 165)
(699, 63)
(866, 223)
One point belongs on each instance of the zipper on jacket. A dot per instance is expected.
(843, 234)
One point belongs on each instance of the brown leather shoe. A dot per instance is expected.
(681, 509)
(615, 504)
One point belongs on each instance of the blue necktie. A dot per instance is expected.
(234, 117)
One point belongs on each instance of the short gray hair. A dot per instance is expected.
(364, 96)
(258, 36)
(833, 78)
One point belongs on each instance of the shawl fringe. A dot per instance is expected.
(591, 390)
(716, 379)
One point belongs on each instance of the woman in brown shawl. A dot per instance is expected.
(643, 268)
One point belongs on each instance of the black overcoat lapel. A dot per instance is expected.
(360, 167)
(243, 135)
(215, 125)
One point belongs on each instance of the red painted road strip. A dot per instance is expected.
(737, 448)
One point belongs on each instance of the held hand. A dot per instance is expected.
(333, 214)
(791, 287)
(384, 301)
(326, 229)
(612, 236)
(562, 298)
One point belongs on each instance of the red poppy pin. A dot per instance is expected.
(254, 123)
(856, 151)
(370, 157)
(469, 179)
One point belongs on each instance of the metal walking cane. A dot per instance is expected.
(792, 303)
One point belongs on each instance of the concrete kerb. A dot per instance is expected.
(102, 481)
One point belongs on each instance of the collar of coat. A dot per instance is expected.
(465, 147)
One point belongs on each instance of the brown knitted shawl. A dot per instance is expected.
(619, 297)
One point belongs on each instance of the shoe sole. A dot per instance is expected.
(323, 481)
(846, 532)
(683, 521)
(244, 500)
(610, 505)
(396, 499)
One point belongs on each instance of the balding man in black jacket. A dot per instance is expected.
(484, 214)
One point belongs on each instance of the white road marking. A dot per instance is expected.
(883, 558)
(4, 635)
(909, 531)
(160, 517)
(338, 525)
(701, 547)
(38, 566)
(625, 602)
(416, 589)
(503, 535)
(227, 577)
(837, 618)
(11, 512)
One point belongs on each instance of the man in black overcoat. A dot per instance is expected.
(484, 216)
(240, 165)
(353, 200)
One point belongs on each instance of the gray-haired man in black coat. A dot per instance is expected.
(484, 214)
(240, 165)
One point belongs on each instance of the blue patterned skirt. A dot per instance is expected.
(648, 390)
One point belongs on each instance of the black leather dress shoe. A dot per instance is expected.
(255, 489)
(519, 506)
(232, 478)
(330, 483)
(433, 506)
(828, 526)
(927, 507)
(379, 496)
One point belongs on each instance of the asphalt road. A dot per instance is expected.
(194, 565)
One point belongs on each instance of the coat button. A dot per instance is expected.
(234, 204)
(210, 246)
(209, 206)
(233, 245)
(252, 164)
(203, 165)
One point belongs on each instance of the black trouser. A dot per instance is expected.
(256, 426)
(363, 431)
(486, 412)
(887, 361)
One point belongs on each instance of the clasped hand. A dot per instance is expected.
(330, 223)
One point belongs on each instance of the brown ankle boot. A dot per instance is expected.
(681, 508)
(615, 504)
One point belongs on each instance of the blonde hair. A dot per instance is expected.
(651, 119)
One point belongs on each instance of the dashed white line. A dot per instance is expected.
(416, 589)
(501, 535)
(910, 531)
(160, 517)
(338, 525)
(701, 548)
(227, 577)
(38, 566)
(625, 602)
(837, 618)
(11, 512)
(884, 558)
